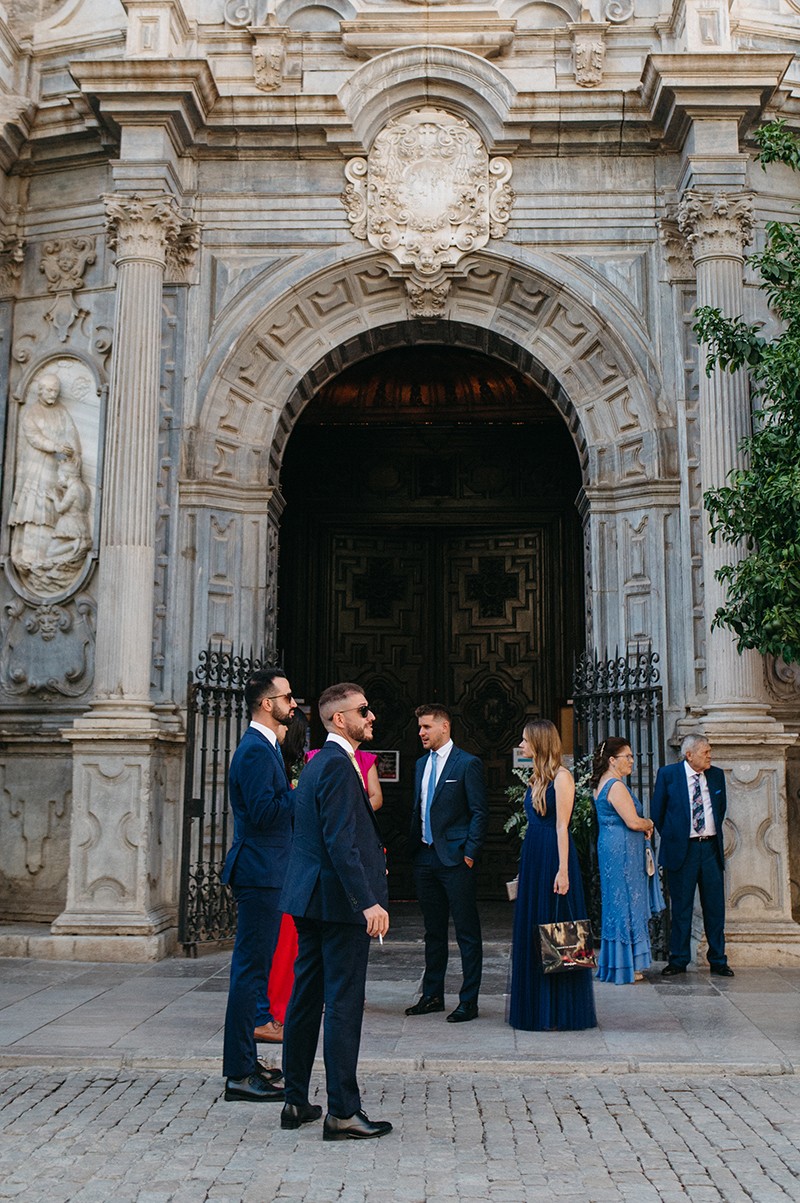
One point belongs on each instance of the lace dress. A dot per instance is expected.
(538, 1001)
(625, 933)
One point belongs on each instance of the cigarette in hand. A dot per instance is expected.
(380, 938)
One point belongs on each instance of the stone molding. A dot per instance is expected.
(480, 31)
(716, 225)
(269, 56)
(448, 78)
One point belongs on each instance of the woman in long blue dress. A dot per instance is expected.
(549, 888)
(625, 950)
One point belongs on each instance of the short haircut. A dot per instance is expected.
(435, 710)
(259, 684)
(692, 741)
(330, 699)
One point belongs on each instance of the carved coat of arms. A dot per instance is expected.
(428, 193)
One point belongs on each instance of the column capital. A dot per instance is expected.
(716, 225)
(141, 227)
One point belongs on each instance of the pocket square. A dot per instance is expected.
(450, 780)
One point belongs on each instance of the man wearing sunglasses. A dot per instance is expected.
(262, 802)
(336, 890)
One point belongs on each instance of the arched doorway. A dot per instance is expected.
(431, 549)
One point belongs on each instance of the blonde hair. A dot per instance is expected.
(545, 743)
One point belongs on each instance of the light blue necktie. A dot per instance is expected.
(427, 834)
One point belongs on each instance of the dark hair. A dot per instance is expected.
(435, 710)
(259, 684)
(330, 698)
(294, 741)
(602, 755)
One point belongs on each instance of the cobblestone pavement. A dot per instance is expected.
(167, 1137)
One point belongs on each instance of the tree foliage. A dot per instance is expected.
(758, 509)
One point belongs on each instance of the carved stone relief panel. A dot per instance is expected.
(64, 261)
(35, 798)
(52, 518)
(428, 194)
(47, 650)
(588, 52)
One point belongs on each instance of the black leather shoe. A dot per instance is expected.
(427, 1005)
(722, 971)
(463, 1013)
(356, 1127)
(252, 1089)
(295, 1114)
(269, 1075)
(672, 970)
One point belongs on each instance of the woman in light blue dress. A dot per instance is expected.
(625, 948)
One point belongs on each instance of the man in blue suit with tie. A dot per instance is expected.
(336, 891)
(689, 803)
(448, 826)
(262, 801)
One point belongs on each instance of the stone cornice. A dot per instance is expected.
(176, 93)
(677, 88)
(16, 121)
(480, 31)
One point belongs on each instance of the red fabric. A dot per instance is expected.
(281, 975)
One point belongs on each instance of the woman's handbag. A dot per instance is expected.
(512, 888)
(655, 898)
(567, 944)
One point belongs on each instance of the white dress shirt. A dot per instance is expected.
(708, 813)
(267, 731)
(441, 756)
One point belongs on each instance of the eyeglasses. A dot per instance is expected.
(362, 710)
(269, 697)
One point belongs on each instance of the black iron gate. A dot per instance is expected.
(621, 695)
(215, 721)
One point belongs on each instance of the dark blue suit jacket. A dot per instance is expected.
(262, 801)
(337, 867)
(459, 811)
(671, 811)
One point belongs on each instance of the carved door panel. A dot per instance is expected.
(428, 615)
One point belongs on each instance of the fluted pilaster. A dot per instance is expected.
(718, 226)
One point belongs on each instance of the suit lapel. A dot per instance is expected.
(448, 766)
(362, 788)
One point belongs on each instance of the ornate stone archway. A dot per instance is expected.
(590, 359)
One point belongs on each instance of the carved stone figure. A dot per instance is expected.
(48, 491)
(64, 261)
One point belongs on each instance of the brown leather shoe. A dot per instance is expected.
(269, 1033)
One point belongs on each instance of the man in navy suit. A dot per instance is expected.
(688, 808)
(336, 890)
(262, 801)
(448, 825)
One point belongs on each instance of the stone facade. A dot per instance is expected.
(208, 208)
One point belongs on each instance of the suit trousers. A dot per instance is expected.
(445, 890)
(330, 971)
(258, 923)
(701, 869)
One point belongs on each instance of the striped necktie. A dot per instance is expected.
(698, 812)
(357, 768)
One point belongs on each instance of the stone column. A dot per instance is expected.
(747, 742)
(717, 227)
(121, 892)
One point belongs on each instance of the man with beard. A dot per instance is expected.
(336, 891)
(262, 802)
